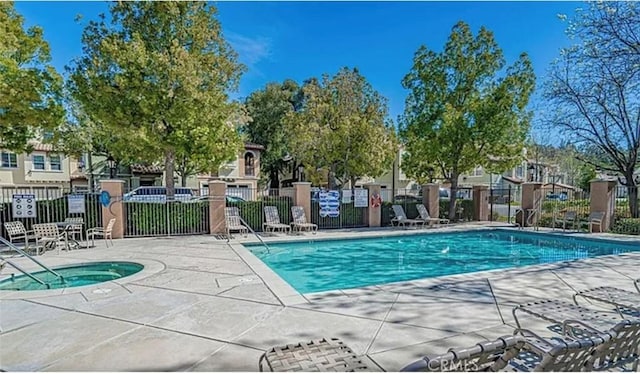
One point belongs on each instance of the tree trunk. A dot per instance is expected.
(183, 180)
(169, 167)
(632, 190)
(274, 179)
(453, 197)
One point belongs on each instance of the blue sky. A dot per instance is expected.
(298, 40)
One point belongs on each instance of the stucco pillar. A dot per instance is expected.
(431, 199)
(115, 209)
(217, 203)
(302, 197)
(602, 195)
(374, 215)
(480, 203)
(530, 190)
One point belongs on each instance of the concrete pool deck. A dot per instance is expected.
(202, 304)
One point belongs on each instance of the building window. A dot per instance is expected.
(9, 160)
(519, 171)
(38, 162)
(478, 171)
(249, 164)
(55, 162)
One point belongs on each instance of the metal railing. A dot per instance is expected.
(626, 216)
(556, 202)
(25, 254)
(342, 214)
(166, 218)
(252, 211)
(51, 205)
(254, 233)
(502, 204)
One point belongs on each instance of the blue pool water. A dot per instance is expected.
(73, 276)
(315, 266)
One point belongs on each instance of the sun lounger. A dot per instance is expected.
(300, 220)
(568, 315)
(424, 215)
(316, 355)
(272, 220)
(401, 217)
(484, 356)
(233, 221)
(624, 301)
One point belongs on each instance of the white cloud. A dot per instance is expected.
(251, 50)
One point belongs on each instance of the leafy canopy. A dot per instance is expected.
(342, 127)
(462, 111)
(268, 109)
(30, 88)
(160, 73)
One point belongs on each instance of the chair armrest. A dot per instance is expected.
(566, 330)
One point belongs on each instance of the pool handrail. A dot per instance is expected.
(253, 232)
(25, 254)
(24, 272)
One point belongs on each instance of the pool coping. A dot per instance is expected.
(151, 267)
(289, 296)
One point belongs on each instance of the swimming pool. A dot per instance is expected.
(324, 265)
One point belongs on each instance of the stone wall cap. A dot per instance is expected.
(112, 181)
(302, 183)
(213, 180)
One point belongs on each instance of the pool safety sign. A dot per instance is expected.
(361, 198)
(329, 203)
(76, 203)
(24, 206)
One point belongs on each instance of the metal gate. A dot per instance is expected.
(349, 215)
(166, 218)
(502, 205)
(51, 205)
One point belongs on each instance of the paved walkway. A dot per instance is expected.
(199, 305)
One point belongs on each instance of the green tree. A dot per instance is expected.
(160, 72)
(268, 109)
(459, 114)
(342, 127)
(29, 87)
(586, 175)
(593, 90)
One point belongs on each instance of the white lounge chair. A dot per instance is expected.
(401, 217)
(234, 222)
(16, 230)
(300, 220)
(272, 220)
(424, 215)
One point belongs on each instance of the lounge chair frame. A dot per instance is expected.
(48, 237)
(272, 221)
(595, 218)
(234, 222)
(16, 230)
(401, 217)
(300, 220)
(624, 301)
(105, 233)
(426, 217)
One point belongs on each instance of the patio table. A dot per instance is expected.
(66, 227)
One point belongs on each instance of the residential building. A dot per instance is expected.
(43, 170)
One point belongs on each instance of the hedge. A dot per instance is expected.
(148, 219)
(252, 212)
(628, 226)
(350, 216)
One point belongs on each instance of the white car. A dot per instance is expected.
(156, 194)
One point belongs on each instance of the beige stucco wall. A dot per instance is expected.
(24, 175)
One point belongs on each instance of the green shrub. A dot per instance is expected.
(464, 208)
(252, 212)
(350, 216)
(628, 226)
(147, 219)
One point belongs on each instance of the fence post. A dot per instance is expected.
(491, 201)
(115, 209)
(529, 190)
(374, 215)
(480, 203)
(509, 206)
(431, 199)
(217, 203)
(302, 197)
(602, 196)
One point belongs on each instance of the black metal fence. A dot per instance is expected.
(503, 204)
(560, 202)
(252, 208)
(626, 218)
(48, 205)
(342, 213)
